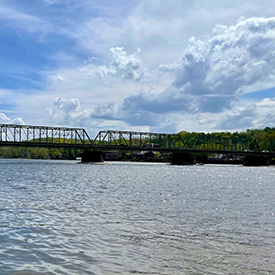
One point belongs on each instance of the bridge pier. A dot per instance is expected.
(180, 158)
(92, 156)
(250, 160)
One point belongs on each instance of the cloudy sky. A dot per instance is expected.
(148, 65)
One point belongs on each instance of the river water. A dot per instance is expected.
(62, 217)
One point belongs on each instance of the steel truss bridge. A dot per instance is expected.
(77, 138)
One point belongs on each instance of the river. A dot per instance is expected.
(62, 217)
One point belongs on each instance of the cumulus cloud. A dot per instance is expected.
(214, 73)
(168, 101)
(6, 120)
(266, 109)
(124, 66)
(253, 115)
(104, 111)
(267, 103)
(67, 106)
(69, 112)
(238, 118)
(18, 121)
(64, 111)
(139, 118)
(210, 78)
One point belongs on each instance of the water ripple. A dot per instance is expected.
(125, 218)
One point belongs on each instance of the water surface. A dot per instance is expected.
(61, 217)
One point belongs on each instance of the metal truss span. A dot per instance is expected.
(27, 135)
(175, 142)
(111, 138)
(78, 138)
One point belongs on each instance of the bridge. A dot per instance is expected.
(182, 147)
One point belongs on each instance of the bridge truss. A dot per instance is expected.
(77, 138)
(176, 142)
(26, 135)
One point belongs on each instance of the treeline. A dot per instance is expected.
(37, 153)
(267, 133)
(259, 139)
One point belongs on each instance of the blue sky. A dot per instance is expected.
(148, 65)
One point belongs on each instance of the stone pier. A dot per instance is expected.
(180, 158)
(92, 156)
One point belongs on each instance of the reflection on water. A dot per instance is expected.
(60, 217)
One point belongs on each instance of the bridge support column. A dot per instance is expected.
(92, 156)
(256, 160)
(180, 158)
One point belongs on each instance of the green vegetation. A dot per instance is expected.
(251, 139)
(37, 153)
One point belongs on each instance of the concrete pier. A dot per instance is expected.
(92, 156)
(180, 158)
(250, 160)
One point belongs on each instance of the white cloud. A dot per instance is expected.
(124, 66)
(69, 113)
(104, 111)
(267, 102)
(18, 121)
(253, 115)
(64, 111)
(211, 77)
(7, 120)
(12, 117)
(67, 106)
(4, 118)
(238, 118)
(213, 73)
(160, 28)
(266, 109)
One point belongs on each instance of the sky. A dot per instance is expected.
(149, 65)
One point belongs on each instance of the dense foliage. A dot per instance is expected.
(253, 139)
(37, 153)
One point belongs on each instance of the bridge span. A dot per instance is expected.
(181, 146)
